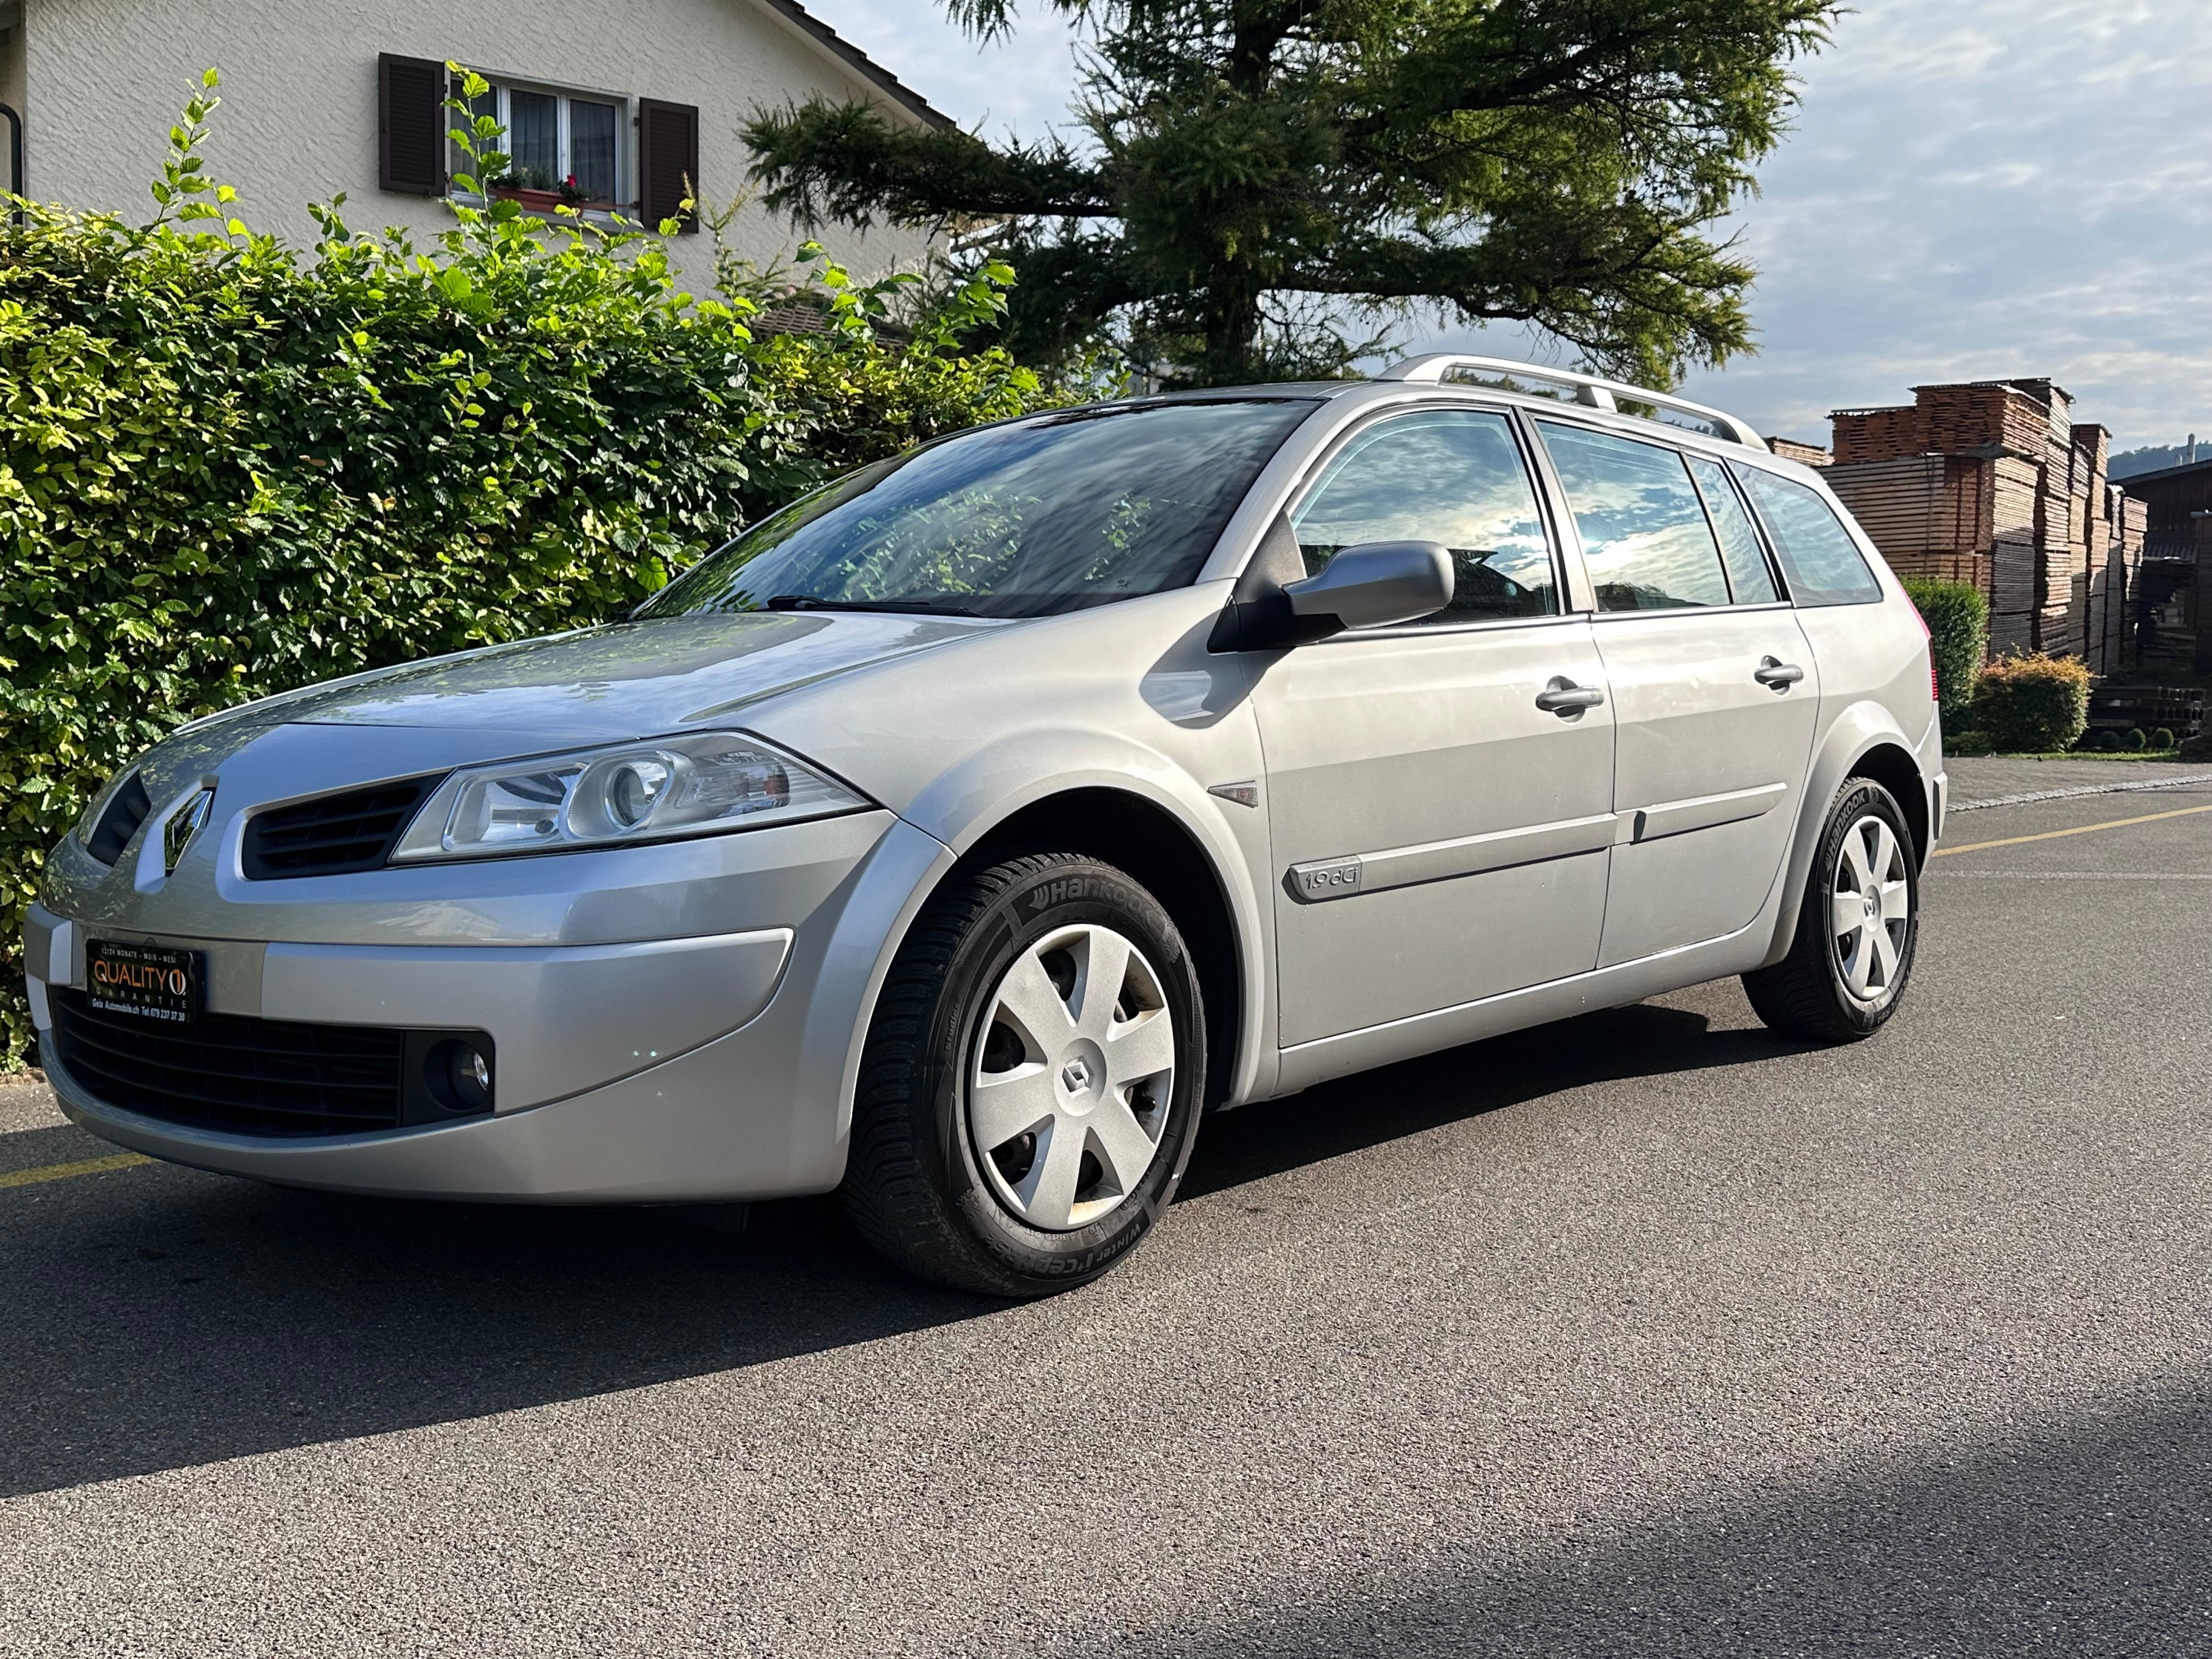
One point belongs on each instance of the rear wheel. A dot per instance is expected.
(1856, 929)
(1029, 1088)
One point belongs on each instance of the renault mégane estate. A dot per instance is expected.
(960, 835)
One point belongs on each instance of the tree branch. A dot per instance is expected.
(821, 161)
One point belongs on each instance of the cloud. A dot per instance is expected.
(1022, 81)
(1974, 188)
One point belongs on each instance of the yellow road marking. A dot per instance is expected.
(64, 1171)
(2079, 829)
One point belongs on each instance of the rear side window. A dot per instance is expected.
(1645, 540)
(1749, 579)
(1453, 476)
(1818, 555)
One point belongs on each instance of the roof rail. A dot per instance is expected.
(1589, 391)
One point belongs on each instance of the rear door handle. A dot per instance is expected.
(1567, 700)
(1776, 675)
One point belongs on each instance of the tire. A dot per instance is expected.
(989, 1020)
(1843, 985)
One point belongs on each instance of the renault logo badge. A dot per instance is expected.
(181, 825)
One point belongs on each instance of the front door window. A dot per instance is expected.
(1450, 475)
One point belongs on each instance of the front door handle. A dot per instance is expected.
(1776, 675)
(1567, 700)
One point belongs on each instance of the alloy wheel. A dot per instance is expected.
(1073, 1072)
(1871, 908)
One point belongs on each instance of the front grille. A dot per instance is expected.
(126, 809)
(260, 1077)
(332, 834)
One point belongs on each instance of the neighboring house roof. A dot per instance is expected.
(2162, 474)
(866, 67)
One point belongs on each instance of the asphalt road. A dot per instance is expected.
(1646, 1334)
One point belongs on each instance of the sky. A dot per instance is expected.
(1973, 189)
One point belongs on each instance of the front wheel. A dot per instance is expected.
(1852, 956)
(1030, 1084)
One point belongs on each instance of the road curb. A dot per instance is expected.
(2082, 789)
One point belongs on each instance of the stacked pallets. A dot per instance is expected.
(1790, 450)
(1993, 482)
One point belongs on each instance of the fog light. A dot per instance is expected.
(471, 1073)
(458, 1074)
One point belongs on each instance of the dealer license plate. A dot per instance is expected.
(147, 982)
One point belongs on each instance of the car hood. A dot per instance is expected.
(606, 684)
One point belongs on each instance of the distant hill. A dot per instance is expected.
(2129, 462)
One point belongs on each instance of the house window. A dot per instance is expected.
(564, 144)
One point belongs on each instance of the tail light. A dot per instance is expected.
(1934, 685)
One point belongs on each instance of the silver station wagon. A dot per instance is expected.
(960, 835)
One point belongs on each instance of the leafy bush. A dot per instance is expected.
(1958, 619)
(2109, 742)
(229, 468)
(2033, 703)
(2162, 739)
(2136, 738)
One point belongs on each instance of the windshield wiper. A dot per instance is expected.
(811, 602)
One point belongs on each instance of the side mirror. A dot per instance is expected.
(1372, 586)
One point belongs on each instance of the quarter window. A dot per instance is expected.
(1822, 562)
(1645, 539)
(1450, 475)
(1750, 581)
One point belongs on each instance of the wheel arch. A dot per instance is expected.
(1892, 766)
(1137, 833)
(1863, 741)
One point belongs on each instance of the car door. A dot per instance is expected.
(1713, 681)
(1439, 793)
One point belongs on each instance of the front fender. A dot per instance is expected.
(1860, 728)
(965, 805)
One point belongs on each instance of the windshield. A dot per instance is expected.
(1017, 520)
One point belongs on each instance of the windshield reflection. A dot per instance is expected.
(1024, 519)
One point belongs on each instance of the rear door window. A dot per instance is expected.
(1646, 541)
(1749, 578)
(1453, 476)
(1818, 555)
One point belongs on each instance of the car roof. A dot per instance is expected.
(1537, 403)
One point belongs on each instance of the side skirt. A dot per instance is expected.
(1327, 1058)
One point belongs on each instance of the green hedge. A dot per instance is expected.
(229, 467)
(1958, 619)
(2032, 704)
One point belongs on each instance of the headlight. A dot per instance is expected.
(669, 786)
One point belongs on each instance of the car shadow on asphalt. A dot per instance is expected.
(159, 1318)
(1373, 1107)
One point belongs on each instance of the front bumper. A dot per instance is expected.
(698, 1068)
(684, 1131)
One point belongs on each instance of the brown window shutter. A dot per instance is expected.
(411, 124)
(667, 157)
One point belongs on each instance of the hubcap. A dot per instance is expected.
(1872, 910)
(1072, 1076)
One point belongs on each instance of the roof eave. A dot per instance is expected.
(858, 61)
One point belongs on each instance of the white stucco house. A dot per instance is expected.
(618, 101)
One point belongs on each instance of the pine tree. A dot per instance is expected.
(1254, 182)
